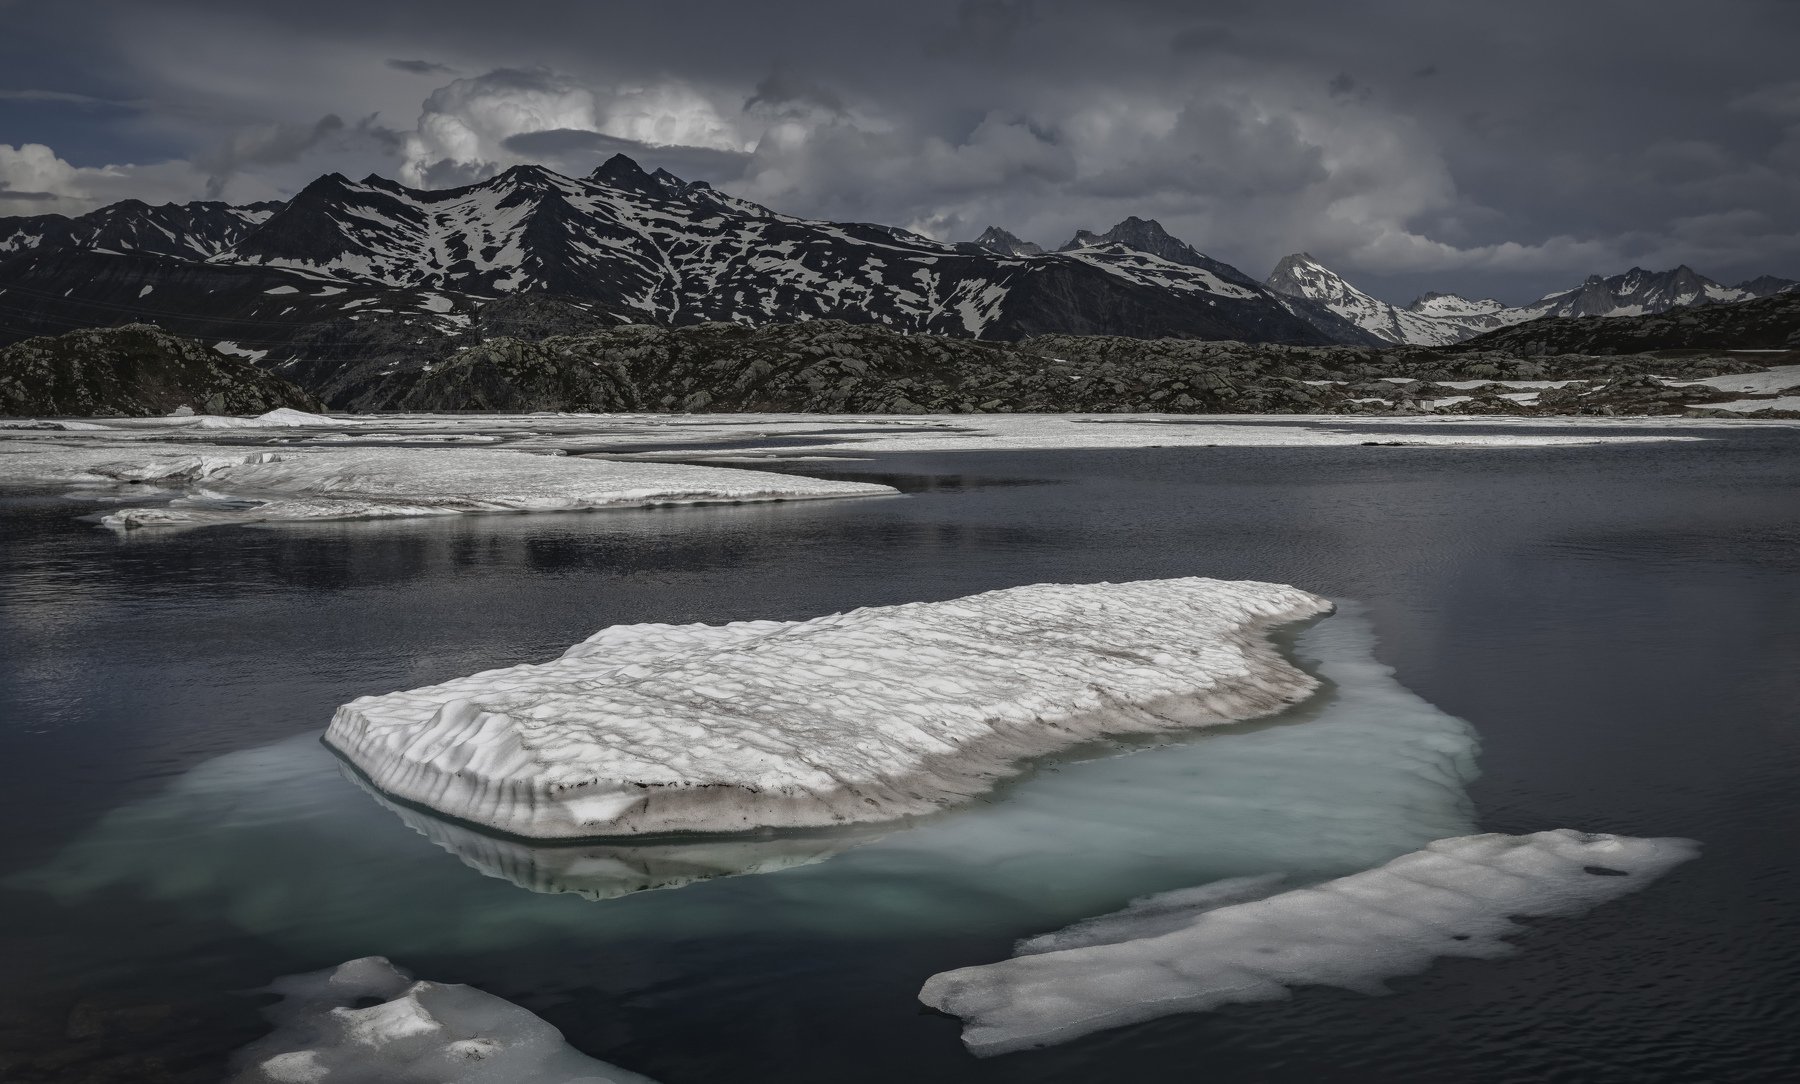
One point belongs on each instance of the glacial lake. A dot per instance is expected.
(1604, 638)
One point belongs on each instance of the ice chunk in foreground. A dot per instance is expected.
(1453, 898)
(368, 1022)
(862, 716)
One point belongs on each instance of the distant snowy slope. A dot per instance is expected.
(1438, 319)
(1443, 319)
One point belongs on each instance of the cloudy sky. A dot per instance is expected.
(1495, 148)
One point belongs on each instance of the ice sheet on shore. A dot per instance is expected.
(223, 484)
(1768, 382)
(1755, 406)
(368, 1022)
(1457, 897)
(869, 715)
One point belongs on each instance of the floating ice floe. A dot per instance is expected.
(368, 1022)
(1454, 898)
(273, 841)
(869, 715)
(232, 485)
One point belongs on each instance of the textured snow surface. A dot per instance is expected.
(862, 716)
(224, 484)
(1454, 898)
(368, 1022)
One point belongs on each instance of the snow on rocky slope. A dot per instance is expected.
(863, 716)
(1198, 949)
(637, 246)
(1443, 319)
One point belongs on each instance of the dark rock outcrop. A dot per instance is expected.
(135, 371)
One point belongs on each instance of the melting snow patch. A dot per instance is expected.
(368, 1022)
(869, 715)
(279, 418)
(1454, 898)
(232, 486)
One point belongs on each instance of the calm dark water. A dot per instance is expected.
(1621, 625)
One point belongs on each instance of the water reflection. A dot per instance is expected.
(605, 870)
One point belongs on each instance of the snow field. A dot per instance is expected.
(233, 485)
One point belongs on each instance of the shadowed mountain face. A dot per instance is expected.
(632, 246)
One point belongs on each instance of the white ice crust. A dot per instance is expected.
(869, 715)
(368, 1022)
(222, 484)
(1454, 898)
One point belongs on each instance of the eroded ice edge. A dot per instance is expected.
(1198, 949)
(368, 1022)
(869, 715)
(217, 484)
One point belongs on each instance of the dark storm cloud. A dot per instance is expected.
(28, 197)
(420, 67)
(59, 97)
(780, 91)
(271, 144)
(984, 27)
(1484, 148)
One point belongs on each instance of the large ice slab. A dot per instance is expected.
(368, 1022)
(869, 715)
(220, 484)
(1456, 897)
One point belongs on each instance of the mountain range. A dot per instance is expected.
(303, 281)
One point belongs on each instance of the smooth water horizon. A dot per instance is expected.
(1594, 637)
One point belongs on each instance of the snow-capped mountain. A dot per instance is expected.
(189, 230)
(643, 247)
(1638, 292)
(1443, 319)
(1437, 319)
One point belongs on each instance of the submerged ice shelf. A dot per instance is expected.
(222, 484)
(869, 715)
(368, 1022)
(1197, 950)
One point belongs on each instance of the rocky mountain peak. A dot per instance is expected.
(995, 239)
(621, 171)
